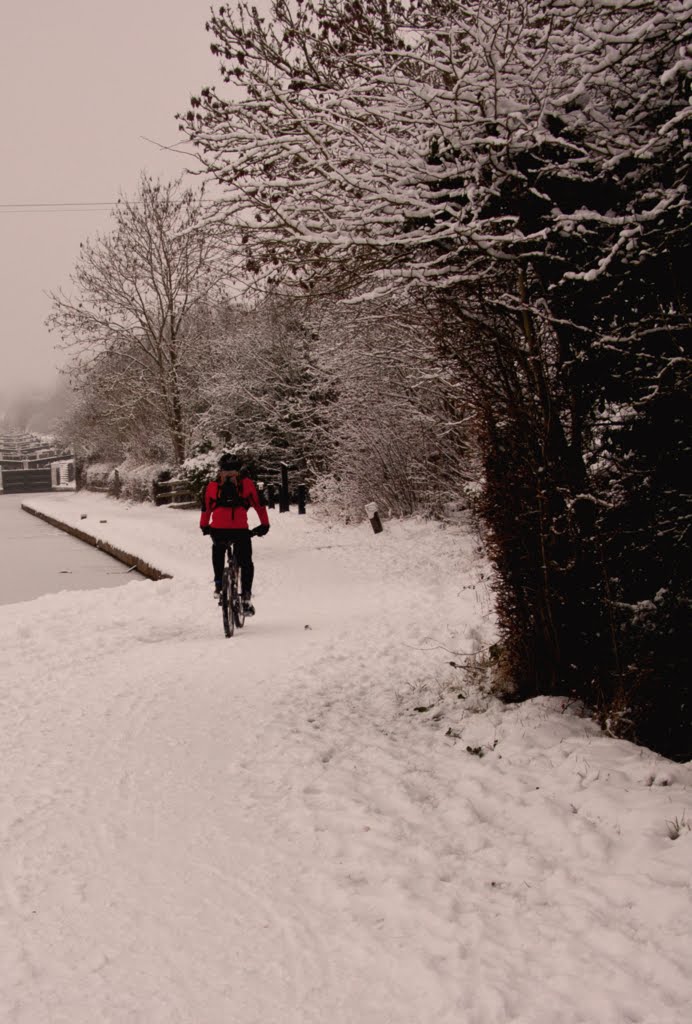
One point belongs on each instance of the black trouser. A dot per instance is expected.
(242, 546)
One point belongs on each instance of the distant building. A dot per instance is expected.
(32, 463)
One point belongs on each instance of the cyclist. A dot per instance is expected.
(225, 504)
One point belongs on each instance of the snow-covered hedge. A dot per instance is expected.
(97, 475)
(137, 482)
(127, 480)
(200, 467)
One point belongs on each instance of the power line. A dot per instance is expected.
(77, 207)
(79, 202)
(83, 209)
(15, 206)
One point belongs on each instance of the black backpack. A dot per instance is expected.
(228, 495)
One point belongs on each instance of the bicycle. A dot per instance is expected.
(231, 595)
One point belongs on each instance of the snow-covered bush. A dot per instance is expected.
(128, 479)
(137, 481)
(97, 475)
(199, 468)
(203, 465)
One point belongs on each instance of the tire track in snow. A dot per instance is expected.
(301, 965)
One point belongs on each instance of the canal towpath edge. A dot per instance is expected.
(125, 557)
(136, 534)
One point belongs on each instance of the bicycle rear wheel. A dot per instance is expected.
(227, 603)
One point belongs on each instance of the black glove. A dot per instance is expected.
(260, 531)
(205, 530)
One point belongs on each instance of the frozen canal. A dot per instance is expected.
(36, 558)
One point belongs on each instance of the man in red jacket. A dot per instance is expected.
(225, 504)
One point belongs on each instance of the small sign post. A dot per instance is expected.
(374, 517)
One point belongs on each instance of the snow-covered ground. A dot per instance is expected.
(264, 830)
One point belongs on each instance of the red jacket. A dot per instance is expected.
(221, 518)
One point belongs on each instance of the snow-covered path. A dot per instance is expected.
(205, 831)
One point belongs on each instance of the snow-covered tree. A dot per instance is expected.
(257, 384)
(115, 414)
(135, 291)
(523, 165)
(399, 432)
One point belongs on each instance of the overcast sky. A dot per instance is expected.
(82, 81)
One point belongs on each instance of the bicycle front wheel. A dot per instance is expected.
(227, 603)
(238, 611)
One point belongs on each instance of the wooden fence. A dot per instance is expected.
(175, 494)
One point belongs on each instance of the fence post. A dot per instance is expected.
(283, 497)
(271, 502)
(374, 517)
(301, 499)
